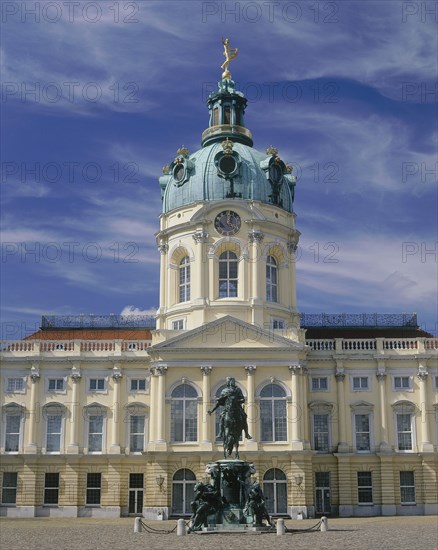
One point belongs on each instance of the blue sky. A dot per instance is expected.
(97, 97)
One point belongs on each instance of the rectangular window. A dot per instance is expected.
(136, 436)
(360, 382)
(436, 382)
(278, 324)
(178, 325)
(407, 488)
(319, 383)
(12, 435)
(402, 382)
(138, 384)
(362, 426)
(364, 488)
(321, 432)
(54, 424)
(404, 432)
(94, 488)
(97, 384)
(9, 488)
(15, 385)
(56, 384)
(51, 488)
(95, 433)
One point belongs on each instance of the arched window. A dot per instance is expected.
(228, 272)
(183, 483)
(275, 491)
(273, 413)
(184, 279)
(271, 280)
(184, 414)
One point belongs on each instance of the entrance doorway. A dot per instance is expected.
(275, 491)
(322, 493)
(136, 493)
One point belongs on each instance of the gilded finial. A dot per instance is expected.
(227, 146)
(289, 168)
(272, 151)
(229, 54)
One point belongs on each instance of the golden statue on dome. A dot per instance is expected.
(229, 54)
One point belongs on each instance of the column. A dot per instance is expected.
(115, 442)
(384, 442)
(206, 389)
(425, 441)
(73, 444)
(297, 413)
(164, 284)
(251, 409)
(255, 238)
(340, 376)
(161, 372)
(31, 446)
(152, 410)
(200, 237)
(304, 409)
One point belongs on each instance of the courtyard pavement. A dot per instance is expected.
(376, 533)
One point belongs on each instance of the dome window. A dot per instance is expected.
(227, 161)
(179, 173)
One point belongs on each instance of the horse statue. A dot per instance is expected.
(233, 418)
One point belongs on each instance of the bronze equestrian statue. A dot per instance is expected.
(233, 419)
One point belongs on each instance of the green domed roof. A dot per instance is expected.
(227, 166)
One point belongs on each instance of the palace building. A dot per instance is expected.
(107, 416)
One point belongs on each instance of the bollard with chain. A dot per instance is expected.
(181, 528)
(324, 524)
(137, 525)
(280, 527)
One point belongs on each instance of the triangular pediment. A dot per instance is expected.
(228, 333)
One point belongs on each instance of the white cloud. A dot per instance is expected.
(133, 311)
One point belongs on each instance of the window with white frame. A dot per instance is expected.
(56, 384)
(271, 279)
(360, 383)
(228, 275)
(137, 384)
(54, 420)
(96, 420)
(96, 384)
(273, 418)
(184, 280)
(402, 382)
(407, 488)
(137, 424)
(94, 489)
(321, 432)
(364, 487)
(16, 385)
(178, 324)
(51, 489)
(362, 432)
(278, 324)
(404, 431)
(184, 414)
(13, 421)
(319, 383)
(9, 488)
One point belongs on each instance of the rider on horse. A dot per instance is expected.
(231, 399)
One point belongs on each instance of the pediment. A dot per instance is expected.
(227, 333)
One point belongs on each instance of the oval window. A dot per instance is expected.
(227, 164)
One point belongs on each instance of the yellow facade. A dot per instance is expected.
(115, 426)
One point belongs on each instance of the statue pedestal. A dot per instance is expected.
(232, 501)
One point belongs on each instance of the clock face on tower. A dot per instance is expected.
(227, 222)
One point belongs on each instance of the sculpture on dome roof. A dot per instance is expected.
(229, 54)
